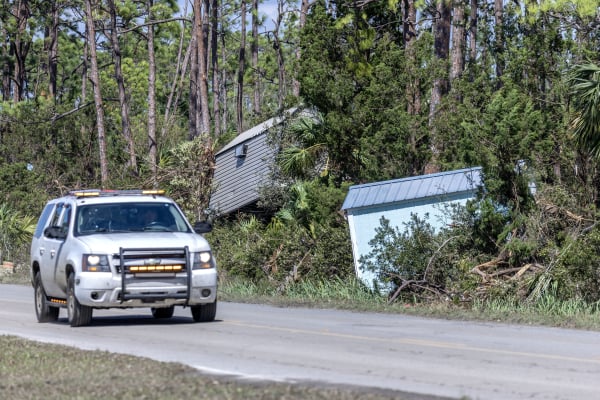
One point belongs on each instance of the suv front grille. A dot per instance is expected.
(143, 260)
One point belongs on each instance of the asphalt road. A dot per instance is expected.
(429, 356)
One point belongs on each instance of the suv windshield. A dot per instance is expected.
(129, 217)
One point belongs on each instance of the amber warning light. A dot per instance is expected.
(155, 268)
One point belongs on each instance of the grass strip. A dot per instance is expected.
(32, 370)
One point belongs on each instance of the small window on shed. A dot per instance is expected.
(241, 151)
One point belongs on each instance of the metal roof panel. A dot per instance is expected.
(414, 187)
(257, 130)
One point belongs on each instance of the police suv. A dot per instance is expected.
(97, 249)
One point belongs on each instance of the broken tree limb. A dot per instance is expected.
(434, 254)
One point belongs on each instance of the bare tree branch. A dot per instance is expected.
(157, 22)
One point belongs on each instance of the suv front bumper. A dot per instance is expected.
(104, 289)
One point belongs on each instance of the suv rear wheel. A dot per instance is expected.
(43, 311)
(78, 315)
(204, 312)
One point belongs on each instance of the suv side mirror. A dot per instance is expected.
(55, 232)
(202, 227)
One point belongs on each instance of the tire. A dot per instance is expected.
(78, 315)
(204, 312)
(160, 313)
(43, 311)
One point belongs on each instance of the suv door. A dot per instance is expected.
(50, 244)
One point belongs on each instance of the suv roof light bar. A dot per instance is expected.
(106, 192)
(85, 193)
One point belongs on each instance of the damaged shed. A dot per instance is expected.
(398, 199)
(243, 165)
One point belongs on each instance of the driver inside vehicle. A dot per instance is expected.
(149, 216)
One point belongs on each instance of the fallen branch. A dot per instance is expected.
(554, 209)
(421, 284)
(434, 254)
(519, 270)
(492, 263)
(526, 268)
(503, 272)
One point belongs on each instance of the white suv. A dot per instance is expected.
(120, 249)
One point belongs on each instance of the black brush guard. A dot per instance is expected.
(130, 257)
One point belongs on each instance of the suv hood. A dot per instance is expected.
(110, 243)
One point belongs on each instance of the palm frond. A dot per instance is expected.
(585, 92)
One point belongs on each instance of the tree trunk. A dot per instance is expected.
(239, 109)
(458, 40)
(203, 68)
(413, 91)
(499, 36)
(280, 57)
(84, 69)
(198, 77)
(304, 6)
(152, 147)
(214, 66)
(52, 49)
(95, 79)
(413, 85)
(223, 86)
(254, 51)
(86, 131)
(6, 70)
(20, 49)
(441, 32)
(473, 32)
(178, 79)
(194, 103)
(123, 97)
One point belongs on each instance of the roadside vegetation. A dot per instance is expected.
(535, 263)
(352, 295)
(30, 370)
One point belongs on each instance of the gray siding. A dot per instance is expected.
(237, 180)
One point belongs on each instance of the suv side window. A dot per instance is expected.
(66, 218)
(59, 225)
(39, 229)
(56, 217)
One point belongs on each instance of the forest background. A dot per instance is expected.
(130, 94)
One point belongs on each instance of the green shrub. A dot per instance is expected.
(15, 232)
(306, 239)
(22, 187)
(398, 257)
(577, 272)
(280, 253)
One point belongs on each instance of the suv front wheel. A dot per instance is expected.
(204, 312)
(78, 315)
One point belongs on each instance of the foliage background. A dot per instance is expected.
(394, 96)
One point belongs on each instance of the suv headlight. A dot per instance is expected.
(95, 263)
(203, 260)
